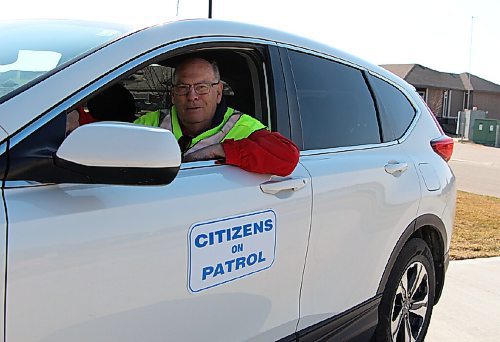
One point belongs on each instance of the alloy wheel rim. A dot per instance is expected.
(410, 304)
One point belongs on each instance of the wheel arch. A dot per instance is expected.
(431, 229)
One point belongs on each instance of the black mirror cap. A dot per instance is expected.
(117, 175)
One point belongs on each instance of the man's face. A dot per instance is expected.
(196, 111)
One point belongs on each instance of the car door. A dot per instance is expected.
(218, 254)
(3, 236)
(365, 189)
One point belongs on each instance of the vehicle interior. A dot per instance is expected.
(242, 74)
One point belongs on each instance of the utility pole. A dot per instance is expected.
(470, 61)
(209, 9)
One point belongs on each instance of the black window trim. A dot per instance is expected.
(410, 99)
(413, 101)
(294, 109)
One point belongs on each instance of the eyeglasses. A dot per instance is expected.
(199, 88)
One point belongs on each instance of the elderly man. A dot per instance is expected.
(207, 129)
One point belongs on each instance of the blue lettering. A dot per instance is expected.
(251, 259)
(219, 235)
(237, 248)
(219, 269)
(197, 242)
(232, 265)
(258, 227)
(236, 232)
(247, 229)
(229, 265)
(269, 225)
(240, 263)
(261, 258)
(206, 271)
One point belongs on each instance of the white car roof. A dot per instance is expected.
(49, 92)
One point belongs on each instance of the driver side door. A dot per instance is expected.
(111, 262)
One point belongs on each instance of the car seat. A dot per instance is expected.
(115, 103)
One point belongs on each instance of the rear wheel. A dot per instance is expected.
(406, 306)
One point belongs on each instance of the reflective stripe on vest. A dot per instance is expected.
(219, 136)
(235, 125)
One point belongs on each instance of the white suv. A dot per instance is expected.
(107, 236)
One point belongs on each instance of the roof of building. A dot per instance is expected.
(478, 83)
(421, 76)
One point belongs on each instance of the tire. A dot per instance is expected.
(406, 306)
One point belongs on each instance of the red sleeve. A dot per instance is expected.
(85, 117)
(262, 152)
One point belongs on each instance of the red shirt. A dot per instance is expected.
(262, 152)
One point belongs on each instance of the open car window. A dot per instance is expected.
(149, 88)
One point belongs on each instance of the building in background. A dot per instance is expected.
(446, 94)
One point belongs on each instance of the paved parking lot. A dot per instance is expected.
(469, 308)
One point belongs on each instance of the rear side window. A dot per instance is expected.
(336, 106)
(394, 106)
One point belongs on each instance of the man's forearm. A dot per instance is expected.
(262, 152)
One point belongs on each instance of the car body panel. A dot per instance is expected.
(417, 145)
(3, 254)
(106, 262)
(354, 226)
(3, 134)
(120, 253)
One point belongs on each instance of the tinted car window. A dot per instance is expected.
(335, 103)
(393, 105)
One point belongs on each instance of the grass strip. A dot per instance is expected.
(476, 232)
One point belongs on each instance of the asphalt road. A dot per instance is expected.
(469, 309)
(477, 168)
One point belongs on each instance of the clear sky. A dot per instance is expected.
(434, 33)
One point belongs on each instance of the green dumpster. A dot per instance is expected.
(485, 131)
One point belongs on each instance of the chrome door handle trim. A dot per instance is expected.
(274, 186)
(396, 169)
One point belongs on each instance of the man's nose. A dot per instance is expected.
(191, 95)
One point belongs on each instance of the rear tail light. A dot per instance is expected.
(443, 146)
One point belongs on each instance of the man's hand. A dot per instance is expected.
(207, 153)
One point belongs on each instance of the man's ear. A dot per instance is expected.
(220, 87)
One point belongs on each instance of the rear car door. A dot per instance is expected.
(365, 189)
(209, 256)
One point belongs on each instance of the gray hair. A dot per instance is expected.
(213, 64)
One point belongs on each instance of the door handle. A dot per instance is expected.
(395, 168)
(274, 186)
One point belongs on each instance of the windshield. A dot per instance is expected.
(30, 49)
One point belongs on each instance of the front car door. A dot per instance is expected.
(209, 256)
(3, 237)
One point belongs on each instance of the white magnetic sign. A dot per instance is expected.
(230, 248)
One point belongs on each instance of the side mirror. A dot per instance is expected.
(121, 153)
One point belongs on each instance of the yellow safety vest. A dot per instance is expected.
(235, 125)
